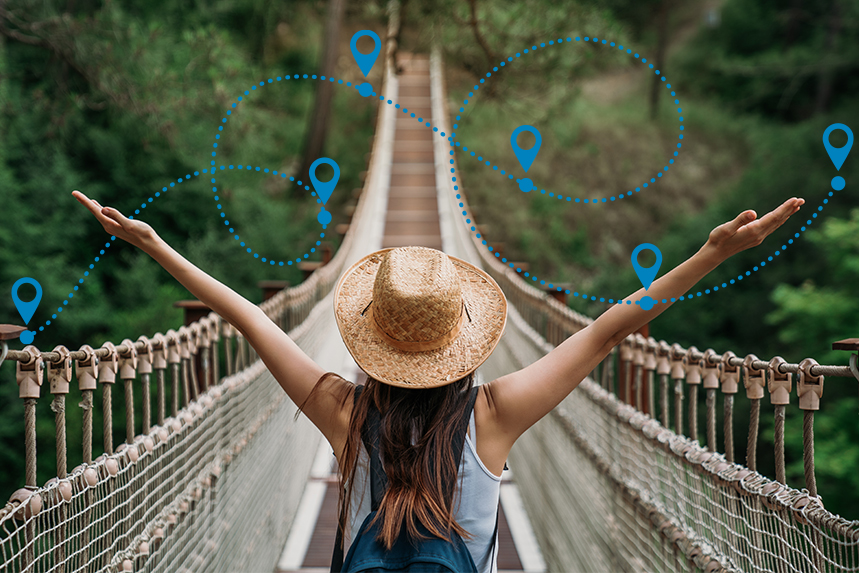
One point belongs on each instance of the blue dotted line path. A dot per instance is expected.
(366, 91)
(525, 184)
(158, 194)
(646, 302)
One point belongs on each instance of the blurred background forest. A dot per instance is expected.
(119, 98)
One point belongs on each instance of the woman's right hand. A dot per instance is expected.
(116, 224)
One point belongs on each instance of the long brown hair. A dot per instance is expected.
(416, 473)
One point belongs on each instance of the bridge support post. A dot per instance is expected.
(59, 377)
(754, 381)
(174, 358)
(29, 376)
(625, 371)
(663, 369)
(228, 347)
(649, 368)
(693, 379)
(144, 358)
(712, 367)
(678, 373)
(128, 372)
(107, 370)
(638, 370)
(729, 379)
(159, 357)
(214, 338)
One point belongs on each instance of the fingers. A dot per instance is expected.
(115, 215)
(777, 217)
(743, 218)
(86, 202)
(110, 225)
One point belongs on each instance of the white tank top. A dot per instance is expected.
(475, 503)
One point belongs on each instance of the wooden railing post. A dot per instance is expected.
(107, 369)
(729, 379)
(174, 358)
(625, 371)
(159, 362)
(214, 338)
(144, 366)
(712, 371)
(649, 368)
(638, 369)
(663, 369)
(29, 376)
(754, 380)
(779, 386)
(678, 373)
(693, 380)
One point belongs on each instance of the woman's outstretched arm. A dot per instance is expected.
(519, 399)
(292, 368)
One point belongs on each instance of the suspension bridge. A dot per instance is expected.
(215, 474)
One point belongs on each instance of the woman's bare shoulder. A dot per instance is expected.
(493, 447)
(333, 395)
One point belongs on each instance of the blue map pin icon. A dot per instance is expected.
(646, 274)
(324, 190)
(526, 156)
(26, 309)
(837, 154)
(365, 61)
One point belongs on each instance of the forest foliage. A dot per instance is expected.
(119, 99)
(758, 82)
(122, 99)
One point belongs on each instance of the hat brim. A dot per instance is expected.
(487, 310)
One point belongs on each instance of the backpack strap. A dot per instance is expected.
(337, 557)
(370, 436)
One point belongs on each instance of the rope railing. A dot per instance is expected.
(173, 357)
(640, 494)
(641, 359)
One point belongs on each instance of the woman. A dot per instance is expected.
(419, 323)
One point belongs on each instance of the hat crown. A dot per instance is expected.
(417, 296)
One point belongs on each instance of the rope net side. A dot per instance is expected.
(608, 487)
(215, 486)
(196, 492)
(617, 491)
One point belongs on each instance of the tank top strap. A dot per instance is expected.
(472, 430)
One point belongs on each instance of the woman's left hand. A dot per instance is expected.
(115, 223)
(748, 231)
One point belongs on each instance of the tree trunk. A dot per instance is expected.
(661, 48)
(315, 140)
(484, 45)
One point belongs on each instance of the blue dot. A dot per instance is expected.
(27, 336)
(838, 183)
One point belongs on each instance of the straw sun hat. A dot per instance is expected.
(417, 318)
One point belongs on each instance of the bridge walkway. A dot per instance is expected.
(412, 218)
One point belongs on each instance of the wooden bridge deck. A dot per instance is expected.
(412, 219)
